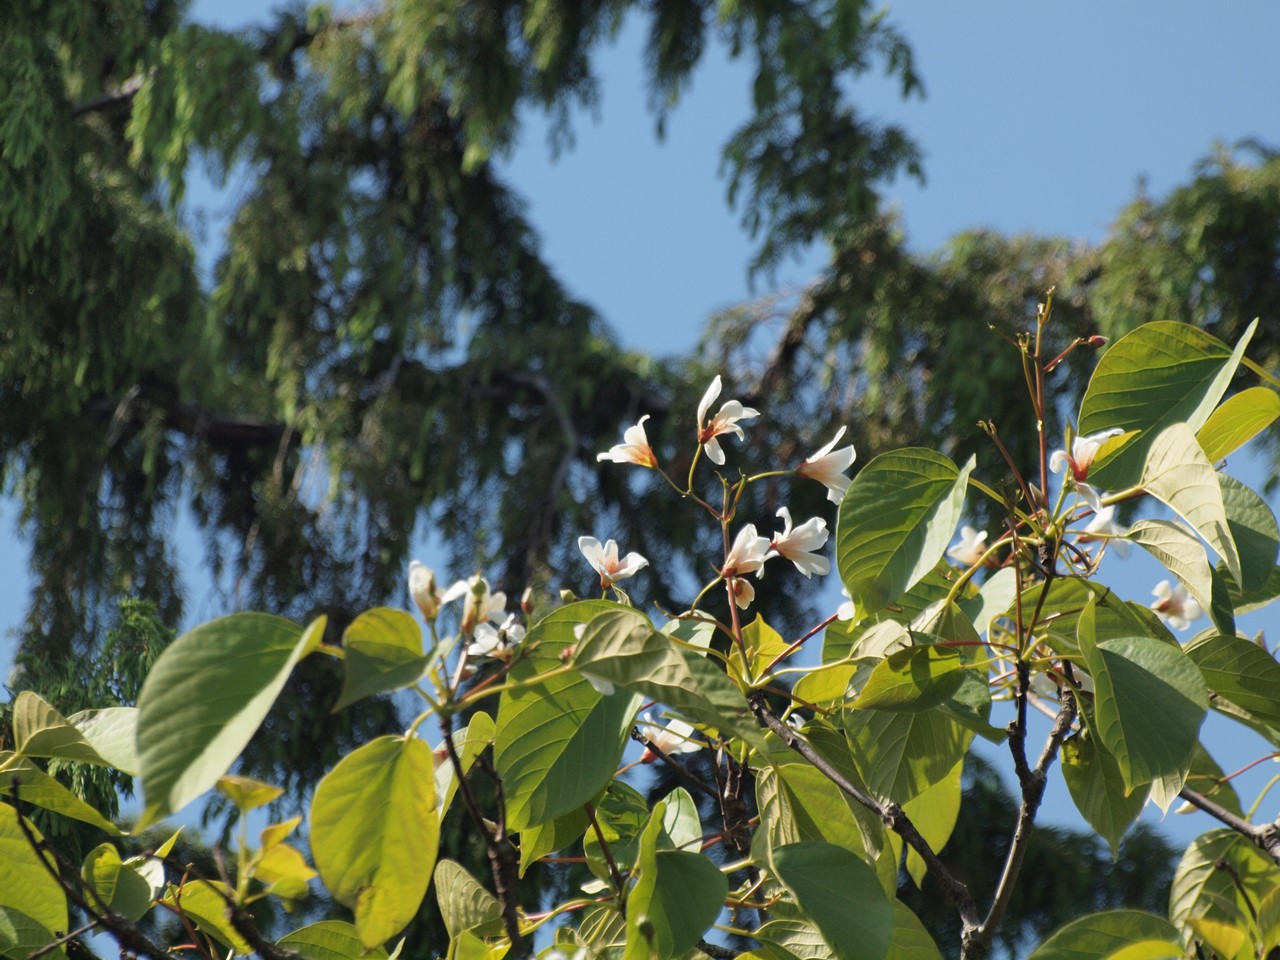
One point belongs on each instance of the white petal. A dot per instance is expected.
(713, 391)
(591, 549)
(714, 453)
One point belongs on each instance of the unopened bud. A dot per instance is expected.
(1097, 340)
(526, 601)
(568, 596)
(422, 587)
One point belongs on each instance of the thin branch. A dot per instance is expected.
(504, 888)
(619, 885)
(891, 814)
(716, 951)
(674, 764)
(1033, 786)
(1266, 837)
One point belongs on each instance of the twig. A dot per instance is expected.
(1265, 837)
(890, 814)
(670, 761)
(499, 863)
(978, 944)
(615, 874)
(718, 952)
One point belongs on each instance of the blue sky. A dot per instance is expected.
(1037, 117)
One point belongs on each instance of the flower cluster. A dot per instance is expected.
(801, 544)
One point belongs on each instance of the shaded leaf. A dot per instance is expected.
(854, 915)
(913, 679)
(1241, 672)
(464, 903)
(1099, 791)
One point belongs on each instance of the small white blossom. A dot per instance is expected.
(1102, 526)
(606, 562)
(634, 448)
(744, 594)
(1174, 606)
(478, 604)
(970, 548)
(725, 421)
(800, 545)
(828, 465)
(1083, 450)
(847, 610)
(497, 642)
(748, 553)
(675, 737)
(422, 587)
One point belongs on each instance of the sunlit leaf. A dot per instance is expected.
(374, 833)
(896, 521)
(1253, 530)
(916, 678)
(204, 902)
(33, 907)
(383, 652)
(116, 886)
(464, 903)
(330, 940)
(1113, 935)
(900, 755)
(1241, 672)
(1238, 420)
(36, 787)
(203, 701)
(1216, 885)
(1156, 375)
(558, 742)
(1178, 474)
(854, 915)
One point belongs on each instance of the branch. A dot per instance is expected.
(717, 952)
(500, 865)
(977, 943)
(891, 814)
(1265, 837)
(121, 95)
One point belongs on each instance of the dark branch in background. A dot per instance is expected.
(501, 855)
(120, 96)
(891, 814)
(1266, 837)
(673, 763)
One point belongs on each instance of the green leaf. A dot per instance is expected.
(934, 812)
(685, 902)
(38, 788)
(546, 838)
(330, 940)
(1253, 530)
(1157, 375)
(1113, 617)
(558, 742)
(464, 903)
(993, 600)
(911, 941)
(471, 741)
(1098, 788)
(1118, 934)
(374, 833)
(824, 684)
(763, 644)
(117, 886)
(39, 730)
(383, 652)
(1149, 702)
(913, 679)
(1240, 672)
(900, 755)
(895, 522)
(203, 701)
(788, 939)
(1238, 420)
(112, 732)
(1178, 474)
(621, 647)
(622, 814)
(797, 802)
(246, 793)
(1246, 601)
(854, 915)
(205, 903)
(33, 908)
(1218, 871)
(682, 825)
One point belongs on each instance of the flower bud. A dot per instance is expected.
(1097, 340)
(422, 587)
(526, 601)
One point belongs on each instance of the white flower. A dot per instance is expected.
(726, 421)
(1102, 526)
(422, 587)
(828, 465)
(1174, 606)
(799, 545)
(675, 737)
(479, 604)
(748, 553)
(634, 448)
(496, 642)
(1083, 450)
(744, 594)
(847, 610)
(969, 549)
(605, 560)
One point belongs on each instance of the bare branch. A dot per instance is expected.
(1266, 836)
